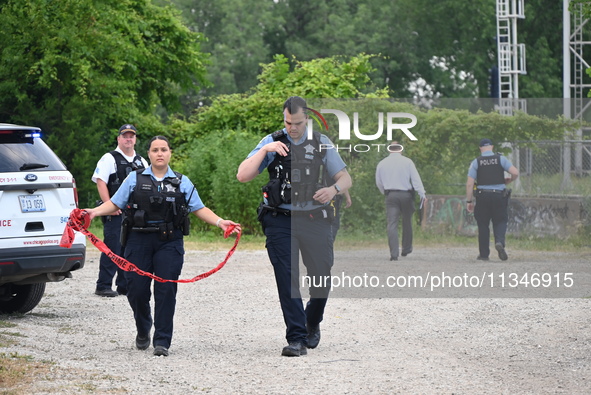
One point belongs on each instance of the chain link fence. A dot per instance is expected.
(558, 169)
(553, 168)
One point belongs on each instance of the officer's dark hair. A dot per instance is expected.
(158, 138)
(294, 103)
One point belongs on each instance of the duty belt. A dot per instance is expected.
(275, 210)
(491, 190)
(323, 212)
(319, 213)
(397, 190)
(145, 229)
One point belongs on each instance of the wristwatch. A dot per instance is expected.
(337, 188)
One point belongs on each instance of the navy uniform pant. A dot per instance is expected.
(399, 204)
(163, 259)
(490, 207)
(107, 269)
(287, 238)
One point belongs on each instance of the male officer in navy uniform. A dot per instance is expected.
(297, 215)
(110, 172)
(487, 172)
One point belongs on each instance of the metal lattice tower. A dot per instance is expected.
(574, 88)
(510, 55)
(573, 27)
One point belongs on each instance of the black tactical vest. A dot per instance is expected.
(295, 178)
(490, 171)
(157, 201)
(123, 169)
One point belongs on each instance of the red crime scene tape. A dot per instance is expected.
(80, 221)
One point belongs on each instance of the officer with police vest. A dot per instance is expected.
(156, 202)
(110, 172)
(296, 216)
(487, 173)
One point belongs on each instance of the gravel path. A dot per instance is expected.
(229, 333)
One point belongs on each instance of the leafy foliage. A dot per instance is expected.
(426, 48)
(80, 68)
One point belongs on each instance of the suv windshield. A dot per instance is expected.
(26, 156)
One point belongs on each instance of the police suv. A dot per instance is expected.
(37, 194)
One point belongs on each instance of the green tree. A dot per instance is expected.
(444, 48)
(81, 68)
(541, 31)
(235, 32)
(316, 29)
(456, 45)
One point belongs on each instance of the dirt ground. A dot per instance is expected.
(229, 331)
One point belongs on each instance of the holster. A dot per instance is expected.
(261, 212)
(264, 209)
(272, 192)
(125, 229)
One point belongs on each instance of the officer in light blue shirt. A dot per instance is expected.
(331, 159)
(296, 216)
(487, 173)
(157, 202)
(121, 197)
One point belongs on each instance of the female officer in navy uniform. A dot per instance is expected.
(157, 201)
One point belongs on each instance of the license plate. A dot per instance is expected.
(32, 203)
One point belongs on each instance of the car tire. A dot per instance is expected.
(22, 298)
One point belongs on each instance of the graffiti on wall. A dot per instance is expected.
(527, 216)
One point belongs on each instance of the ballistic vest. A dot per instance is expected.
(490, 171)
(154, 202)
(301, 173)
(123, 169)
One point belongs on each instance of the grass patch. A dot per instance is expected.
(548, 184)
(15, 334)
(421, 238)
(350, 239)
(7, 338)
(212, 241)
(425, 238)
(18, 372)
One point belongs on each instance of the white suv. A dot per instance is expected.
(37, 194)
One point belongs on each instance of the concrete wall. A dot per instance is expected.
(527, 216)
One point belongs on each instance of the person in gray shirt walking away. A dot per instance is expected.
(398, 179)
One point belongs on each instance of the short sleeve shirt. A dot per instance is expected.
(332, 160)
(107, 166)
(473, 170)
(121, 197)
